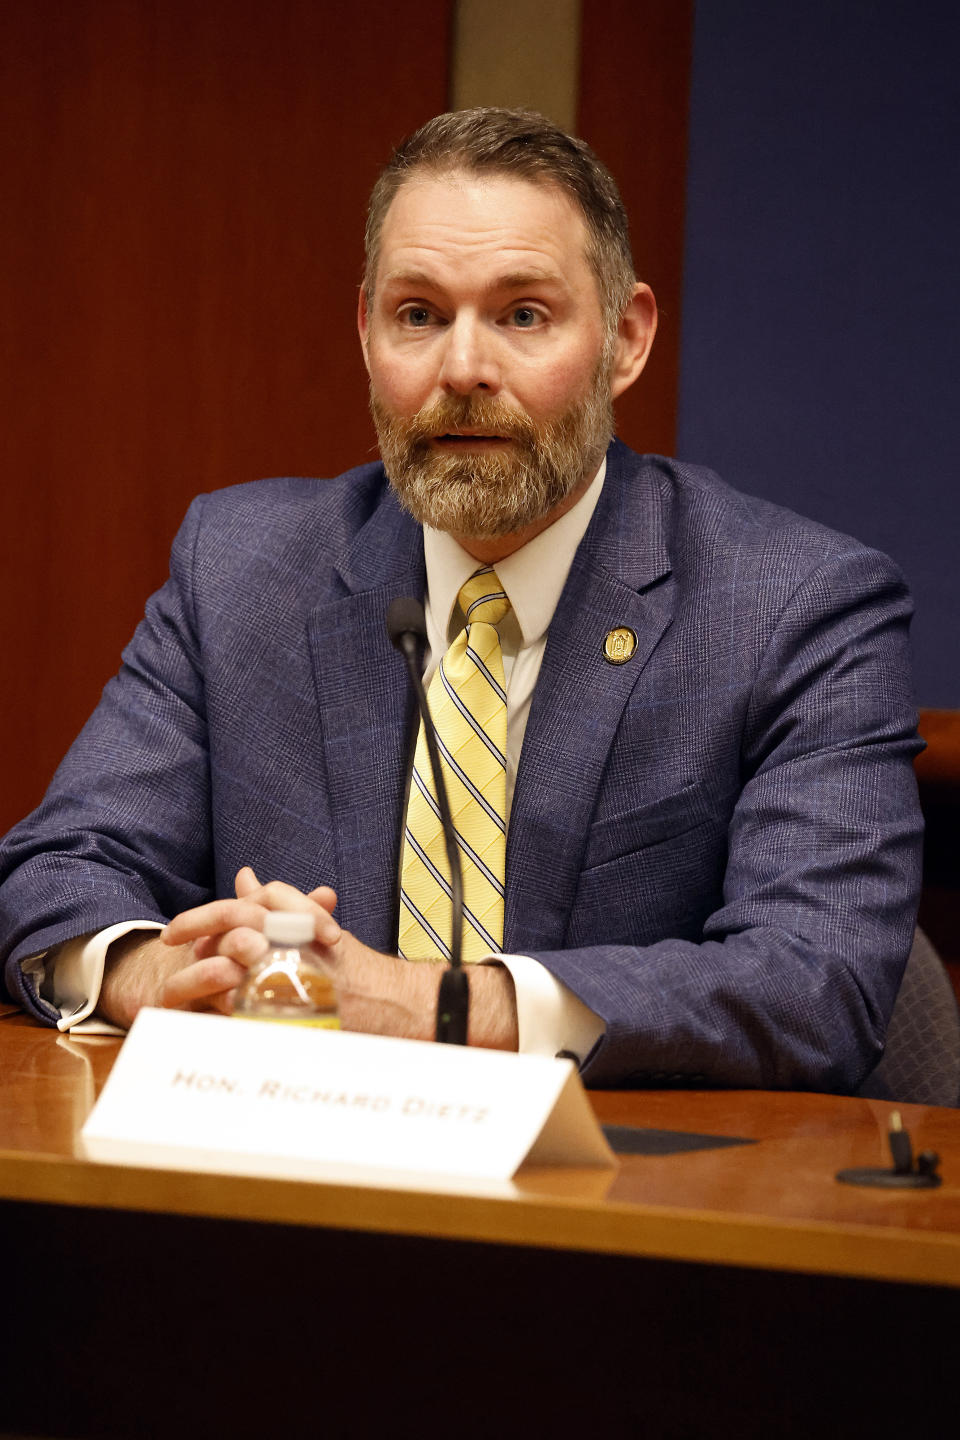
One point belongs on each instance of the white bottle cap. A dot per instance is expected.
(288, 927)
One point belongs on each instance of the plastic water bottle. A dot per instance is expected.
(288, 983)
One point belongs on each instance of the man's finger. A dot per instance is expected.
(219, 916)
(325, 896)
(246, 882)
(278, 895)
(214, 918)
(200, 982)
(224, 1002)
(244, 945)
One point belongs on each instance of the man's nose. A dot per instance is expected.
(470, 360)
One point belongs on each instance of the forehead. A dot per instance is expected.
(484, 222)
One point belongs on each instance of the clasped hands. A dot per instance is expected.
(197, 962)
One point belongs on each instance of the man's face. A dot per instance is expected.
(489, 380)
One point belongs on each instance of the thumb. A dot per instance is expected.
(246, 882)
(323, 895)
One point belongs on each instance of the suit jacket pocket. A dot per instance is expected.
(648, 825)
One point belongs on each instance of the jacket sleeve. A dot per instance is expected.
(792, 978)
(124, 830)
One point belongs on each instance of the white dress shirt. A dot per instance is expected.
(550, 1017)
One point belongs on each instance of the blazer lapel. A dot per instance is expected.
(620, 578)
(366, 714)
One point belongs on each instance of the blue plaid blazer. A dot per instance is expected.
(716, 845)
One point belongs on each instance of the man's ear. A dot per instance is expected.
(635, 333)
(363, 325)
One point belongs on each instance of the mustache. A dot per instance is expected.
(453, 413)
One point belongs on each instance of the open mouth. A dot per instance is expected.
(471, 441)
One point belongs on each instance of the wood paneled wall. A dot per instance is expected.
(183, 188)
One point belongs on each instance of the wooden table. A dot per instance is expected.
(726, 1290)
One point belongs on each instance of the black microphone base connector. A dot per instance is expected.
(453, 1006)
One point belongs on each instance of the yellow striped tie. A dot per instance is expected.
(468, 702)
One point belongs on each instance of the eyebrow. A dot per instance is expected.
(517, 279)
(512, 280)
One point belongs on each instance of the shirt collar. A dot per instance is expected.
(532, 577)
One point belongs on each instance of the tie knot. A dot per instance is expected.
(482, 598)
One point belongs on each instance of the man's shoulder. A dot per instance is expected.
(286, 521)
(288, 499)
(704, 513)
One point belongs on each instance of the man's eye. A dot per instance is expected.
(524, 318)
(417, 316)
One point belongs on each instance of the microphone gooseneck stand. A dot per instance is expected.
(406, 627)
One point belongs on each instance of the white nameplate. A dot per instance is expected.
(204, 1092)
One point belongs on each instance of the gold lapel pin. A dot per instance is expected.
(619, 645)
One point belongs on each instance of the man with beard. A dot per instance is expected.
(701, 861)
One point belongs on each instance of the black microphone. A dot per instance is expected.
(406, 626)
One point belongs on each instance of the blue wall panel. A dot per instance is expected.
(820, 350)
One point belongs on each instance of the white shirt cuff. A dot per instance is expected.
(73, 975)
(550, 1018)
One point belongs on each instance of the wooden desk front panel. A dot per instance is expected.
(128, 1325)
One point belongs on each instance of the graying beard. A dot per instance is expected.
(491, 495)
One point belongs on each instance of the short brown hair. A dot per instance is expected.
(527, 145)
